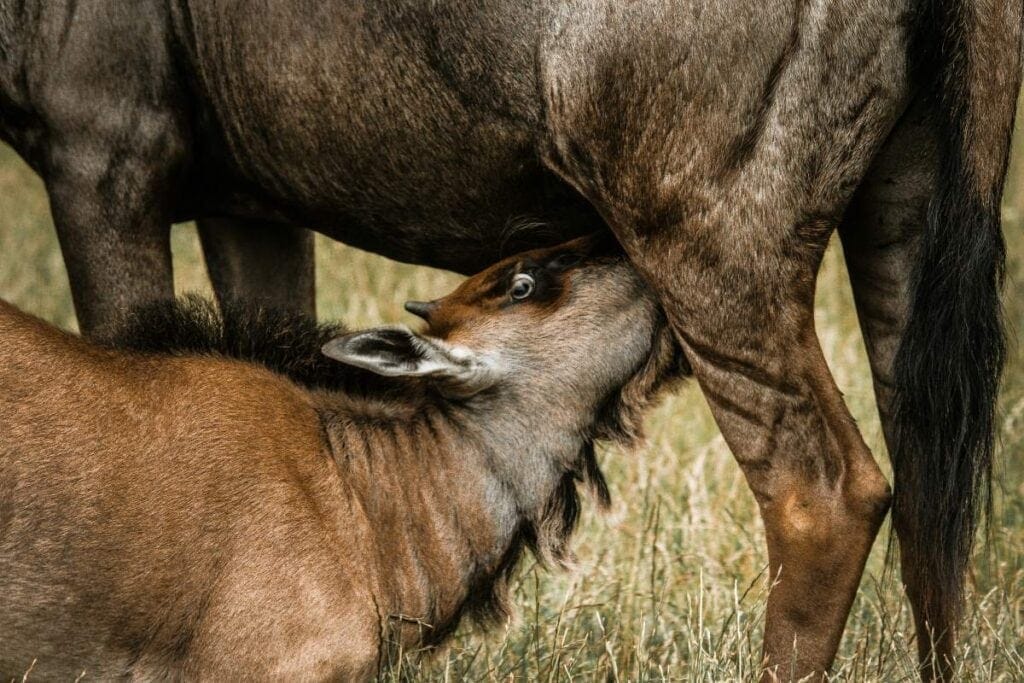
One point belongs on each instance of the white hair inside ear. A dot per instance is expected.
(397, 351)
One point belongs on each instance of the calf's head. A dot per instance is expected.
(570, 330)
(547, 351)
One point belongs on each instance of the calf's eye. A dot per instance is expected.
(522, 286)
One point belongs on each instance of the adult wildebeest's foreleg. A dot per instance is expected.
(114, 231)
(111, 142)
(261, 262)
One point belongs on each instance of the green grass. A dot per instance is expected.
(671, 583)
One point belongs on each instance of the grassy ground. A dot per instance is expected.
(671, 583)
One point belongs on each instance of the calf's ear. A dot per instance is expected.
(399, 352)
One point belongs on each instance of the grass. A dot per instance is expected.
(671, 583)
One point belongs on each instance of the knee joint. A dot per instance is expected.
(868, 494)
(819, 516)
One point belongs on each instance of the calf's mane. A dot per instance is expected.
(285, 342)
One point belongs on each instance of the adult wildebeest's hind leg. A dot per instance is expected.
(924, 252)
(745, 319)
(881, 235)
(261, 262)
(725, 198)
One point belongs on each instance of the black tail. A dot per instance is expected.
(949, 361)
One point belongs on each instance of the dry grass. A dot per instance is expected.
(671, 583)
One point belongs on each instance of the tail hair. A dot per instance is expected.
(948, 365)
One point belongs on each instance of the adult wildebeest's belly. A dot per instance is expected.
(430, 152)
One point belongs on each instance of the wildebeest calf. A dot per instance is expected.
(223, 500)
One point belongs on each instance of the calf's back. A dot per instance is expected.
(194, 496)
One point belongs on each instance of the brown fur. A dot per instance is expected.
(185, 514)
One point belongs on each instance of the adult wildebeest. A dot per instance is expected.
(721, 142)
(171, 513)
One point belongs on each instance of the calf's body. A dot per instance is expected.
(183, 513)
(169, 524)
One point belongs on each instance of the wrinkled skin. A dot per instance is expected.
(721, 142)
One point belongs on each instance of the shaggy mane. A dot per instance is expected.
(284, 342)
(547, 537)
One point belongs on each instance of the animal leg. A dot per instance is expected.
(114, 234)
(260, 261)
(747, 327)
(113, 155)
(880, 235)
(739, 293)
(725, 197)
